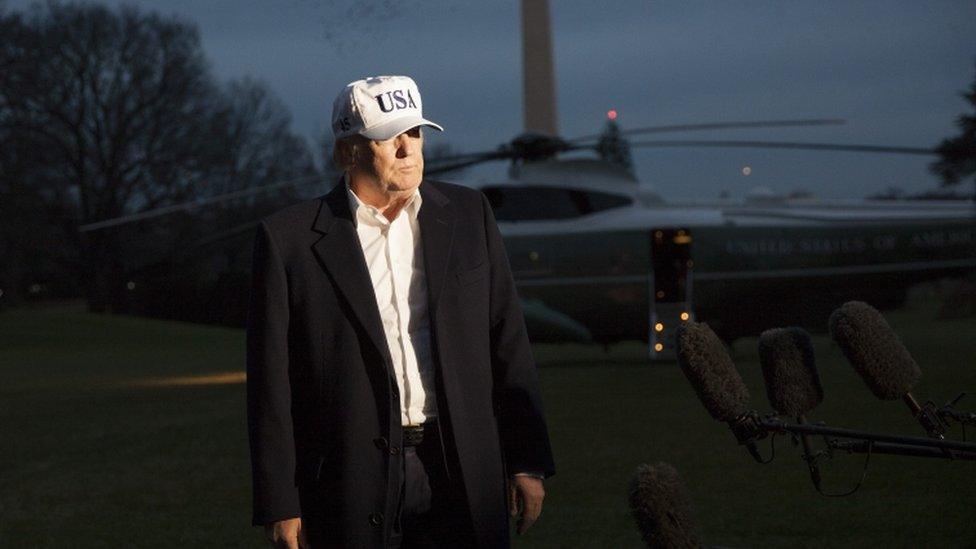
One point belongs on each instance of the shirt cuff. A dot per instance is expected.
(532, 474)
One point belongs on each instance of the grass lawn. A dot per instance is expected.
(94, 451)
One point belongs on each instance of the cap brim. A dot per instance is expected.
(394, 128)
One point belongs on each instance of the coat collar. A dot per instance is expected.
(340, 254)
(436, 220)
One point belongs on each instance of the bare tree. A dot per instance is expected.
(202, 255)
(120, 104)
(259, 146)
(258, 150)
(35, 217)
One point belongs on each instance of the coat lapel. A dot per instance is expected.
(437, 234)
(341, 255)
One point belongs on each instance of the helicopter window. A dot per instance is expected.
(532, 203)
(547, 203)
(605, 201)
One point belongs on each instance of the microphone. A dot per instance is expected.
(708, 367)
(661, 506)
(874, 350)
(789, 367)
(882, 361)
(792, 381)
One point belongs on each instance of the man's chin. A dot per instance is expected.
(404, 186)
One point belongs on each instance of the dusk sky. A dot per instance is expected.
(893, 69)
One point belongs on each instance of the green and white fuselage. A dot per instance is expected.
(595, 259)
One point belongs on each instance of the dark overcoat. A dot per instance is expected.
(323, 404)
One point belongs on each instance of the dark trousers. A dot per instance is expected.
(433, 511)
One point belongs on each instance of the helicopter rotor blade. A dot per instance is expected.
(185, 206)
(471, 160)
(462, 157)
(844, 147)
(722, 126)
(227, 234)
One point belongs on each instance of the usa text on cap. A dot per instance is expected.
(378, 108)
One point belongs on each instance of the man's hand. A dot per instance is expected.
(525, 495)
(286, 534)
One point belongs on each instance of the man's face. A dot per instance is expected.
(396, 165)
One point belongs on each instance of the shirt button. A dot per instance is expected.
(375, 519)
(394, 450)
(381, 443)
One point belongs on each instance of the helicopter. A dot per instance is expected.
(599, 259)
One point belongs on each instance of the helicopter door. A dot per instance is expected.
(670, 285)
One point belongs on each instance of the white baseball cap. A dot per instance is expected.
(378, 108)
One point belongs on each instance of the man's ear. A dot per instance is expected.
(350, 151)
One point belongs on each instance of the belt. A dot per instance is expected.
(413, 435)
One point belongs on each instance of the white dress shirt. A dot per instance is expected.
(394, 257)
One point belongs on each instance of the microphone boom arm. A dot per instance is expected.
(774, 424)
(750, 427)
(864, 447)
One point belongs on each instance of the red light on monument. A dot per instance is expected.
(612, 114)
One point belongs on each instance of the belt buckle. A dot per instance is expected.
(413, 435)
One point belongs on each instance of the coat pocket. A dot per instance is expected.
(470, 276)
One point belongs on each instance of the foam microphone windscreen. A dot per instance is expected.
(661, 506)
(875, 351)
(790, 370)
(710, 370)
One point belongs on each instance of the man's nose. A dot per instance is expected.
(406, 145)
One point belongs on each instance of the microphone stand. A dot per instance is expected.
(808, 454)
(948, 412)
(865, 447)
(750, 427)
(927, 416)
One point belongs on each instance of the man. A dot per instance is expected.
(391, 387)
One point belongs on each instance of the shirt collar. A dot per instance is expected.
(368, 214)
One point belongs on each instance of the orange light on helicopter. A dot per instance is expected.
(612, 114)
